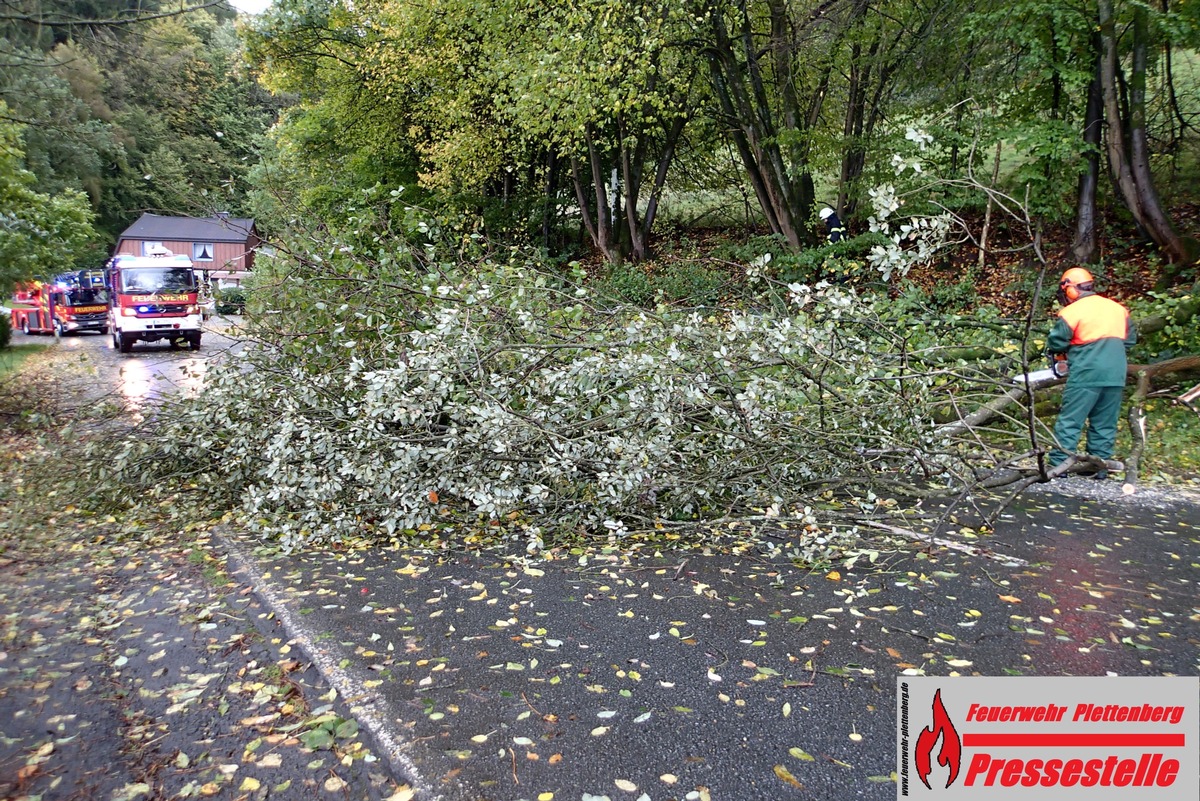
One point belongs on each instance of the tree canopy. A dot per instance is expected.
(142, 107)
(529, 117)
(38, 231)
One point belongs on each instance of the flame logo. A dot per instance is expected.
(949, 755)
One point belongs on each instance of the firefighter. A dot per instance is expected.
(1093, 332)
(834, 225)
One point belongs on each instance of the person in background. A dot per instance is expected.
(1094, 333)
(834, 225)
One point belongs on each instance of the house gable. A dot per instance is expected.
(223, 246)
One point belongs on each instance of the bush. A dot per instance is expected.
(629, 283)
(231, 300)
(5, 330)
(687, 283)
(691, 284)
(957, 296)
(838, 262)
(1179, 337)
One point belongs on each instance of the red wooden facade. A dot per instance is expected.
(222, 246)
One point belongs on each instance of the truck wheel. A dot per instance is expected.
(125, 343)
(58, 329)
(194, 341)
(25, 325)
(104, 331)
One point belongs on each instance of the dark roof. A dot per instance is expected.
(190, 229)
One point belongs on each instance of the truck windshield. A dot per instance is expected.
(158, 279)
(86, 297)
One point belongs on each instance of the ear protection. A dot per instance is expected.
(1074, 282)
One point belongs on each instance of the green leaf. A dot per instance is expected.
(317, 739)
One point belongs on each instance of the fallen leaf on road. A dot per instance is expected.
(801, 754)
(786, 776)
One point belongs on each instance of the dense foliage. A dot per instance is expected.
(389, 389)
(602, 116)
(36, 229)
(589, 123)
(155, 115)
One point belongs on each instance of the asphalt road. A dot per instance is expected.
(722, 675)
(151, 370)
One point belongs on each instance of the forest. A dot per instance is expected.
(606, 127)
(548, 259)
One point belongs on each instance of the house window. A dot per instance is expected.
(150, 248)
(202, 251)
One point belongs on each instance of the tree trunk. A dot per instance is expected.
(1129, 156)
(987, 214)
(550, 200)
(785, 191)
(639, 227)
(599, 225)
(1085, 249)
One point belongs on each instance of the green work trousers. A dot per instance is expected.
(1099, 407)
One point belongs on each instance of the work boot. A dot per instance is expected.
(1100, 475)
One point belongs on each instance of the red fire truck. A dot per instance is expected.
(70, 303)
(151, 298)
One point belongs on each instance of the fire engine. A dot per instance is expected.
(151, 298)
(69, 303)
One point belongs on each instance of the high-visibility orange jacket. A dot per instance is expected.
(1094, 332)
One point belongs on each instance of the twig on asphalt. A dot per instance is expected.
(679, 570)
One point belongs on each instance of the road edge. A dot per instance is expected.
(369, 715)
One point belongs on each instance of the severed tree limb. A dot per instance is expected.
(1176, 365)
(1145, 373)
(1188, 307)
(993, 408)
(1137, 428)
(1190, 397)
(1020, 479)
(955, 545)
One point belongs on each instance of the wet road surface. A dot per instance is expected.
(721, 673)
(690, 676)
(151, 370)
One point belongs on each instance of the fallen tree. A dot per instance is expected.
(1182, 311)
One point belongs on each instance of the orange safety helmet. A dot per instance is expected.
(1074, 281)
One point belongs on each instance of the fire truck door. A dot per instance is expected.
(53, 301)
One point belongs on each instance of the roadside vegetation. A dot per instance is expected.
(465, 393)
(11, 359)
(527, 282)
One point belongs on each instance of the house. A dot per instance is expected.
(221, 245)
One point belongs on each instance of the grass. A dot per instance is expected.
(11, 358)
